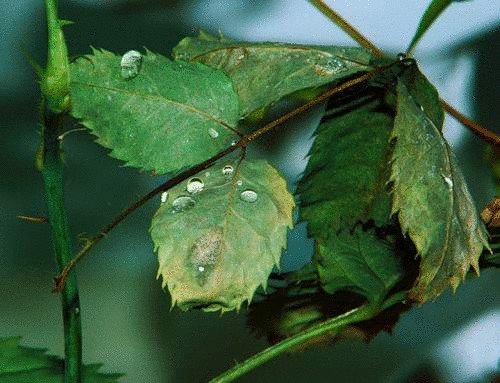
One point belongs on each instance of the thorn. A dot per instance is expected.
(32, 219)
(27, 55)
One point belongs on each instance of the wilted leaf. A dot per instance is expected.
(433, 203)
(217, 245)
(298, 306)
(360, 261)
(263, 73)
(19, 364)
(169, 116)
(435, 8)
(348, 168)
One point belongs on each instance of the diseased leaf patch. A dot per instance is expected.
(432, 201)
(167, 116)
(219, 242)
(19, 364)
(264, 73)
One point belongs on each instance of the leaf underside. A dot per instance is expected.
(172, 115)
(215, 254)
(264, 73)
(19, 364)
(432, 201)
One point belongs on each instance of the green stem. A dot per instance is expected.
(334, 326)
(55, 102)
(52, 171)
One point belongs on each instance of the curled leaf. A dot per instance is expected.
(432, 201)
(263, 73)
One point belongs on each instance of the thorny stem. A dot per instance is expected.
(55, 103)
(242, 143)
(332, 326)
(481, 131)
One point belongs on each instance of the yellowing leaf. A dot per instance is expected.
(219, 235)
(263, 73)
(432, 201)
(153, 113)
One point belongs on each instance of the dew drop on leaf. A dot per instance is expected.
(239, 182)
(227, 170)
(213, 133)
(195, 185)
(248, 195)
(164, 197)
(182, 203)
(131, 64)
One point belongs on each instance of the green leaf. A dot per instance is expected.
(361, 262)
(345, 178)
(264, 73)
(433, 203)
(435, 8)
(216, 246)
(170, 116)
(19, 364)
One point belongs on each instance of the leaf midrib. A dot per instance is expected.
(162, 99)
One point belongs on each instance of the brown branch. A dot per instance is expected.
(346, 27)
(60, 280)
(32, 219)
(481, 131)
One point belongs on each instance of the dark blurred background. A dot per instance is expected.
(126, 319)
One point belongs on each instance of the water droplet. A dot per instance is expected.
(227, 170)
(233, 143)
(77, 310)
(130, 64)
(239, 182)
(213, 133)
(207, 174)
(248, 195)
(182, 203)
(401, 56)
(195, 185)
(448, 181)
(422, 108)
(164, 197)
(201, 269)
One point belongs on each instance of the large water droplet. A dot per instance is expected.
(213, 133)
(182, 203)
(239, 182)
(227, 170)
(131, 64)
(195, 185)
(164, 197)
(248, 195)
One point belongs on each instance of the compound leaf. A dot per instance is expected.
(433, 203)
(19, 364)
(263, 73)
(169, 116)
(217, 245)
